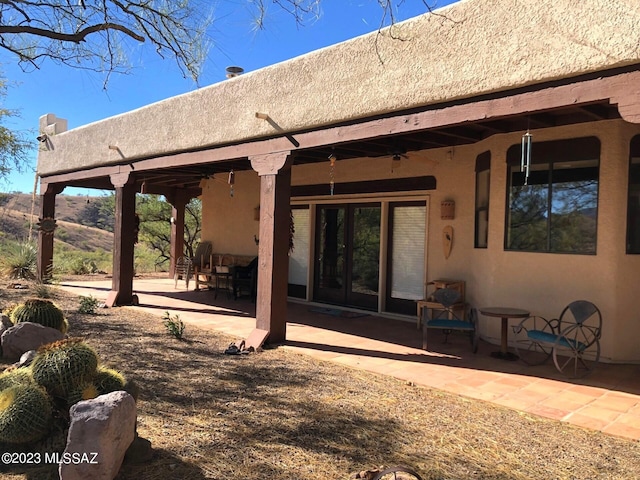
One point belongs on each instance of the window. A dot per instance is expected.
(633, 199)
(483, 169)
(556, 211)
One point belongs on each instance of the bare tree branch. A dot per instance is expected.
(92, 34)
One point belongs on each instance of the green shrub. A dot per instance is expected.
(88, 304)
(41, 290)
(175, 326)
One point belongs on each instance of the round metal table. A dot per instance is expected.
(504, 313)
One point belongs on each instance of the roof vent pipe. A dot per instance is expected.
(234, 71)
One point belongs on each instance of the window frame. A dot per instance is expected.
(550, 153)
(634, 152)
(483, 167)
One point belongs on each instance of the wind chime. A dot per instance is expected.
(332, 171)
(525, 159)
(231, 180)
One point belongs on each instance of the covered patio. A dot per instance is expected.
(607, 400)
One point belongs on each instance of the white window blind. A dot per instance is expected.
(299, 257)
(408, 252)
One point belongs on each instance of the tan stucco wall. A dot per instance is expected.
(473, 47)
(546, 283)
(228, 222)
(542, 283)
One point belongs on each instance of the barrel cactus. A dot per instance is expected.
(17, 376)
(108, 380)
(63, 366)
(25, 414)
(38, 310)
(86, 391)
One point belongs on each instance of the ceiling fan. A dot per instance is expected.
(397, 153)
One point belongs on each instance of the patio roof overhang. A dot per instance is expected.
(594, 97)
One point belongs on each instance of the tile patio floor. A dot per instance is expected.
(607, 400)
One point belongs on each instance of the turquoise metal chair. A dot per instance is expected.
(573, 340)
(448, 318)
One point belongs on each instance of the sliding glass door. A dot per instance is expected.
(348, 254)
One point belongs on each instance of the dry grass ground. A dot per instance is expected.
(280, 415)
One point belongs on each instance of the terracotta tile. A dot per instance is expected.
(629, 420)
(622, 431)
(548, 412)
(589, 390)
(604, 414)
(587, 421)
(517, 403)
(617, 401)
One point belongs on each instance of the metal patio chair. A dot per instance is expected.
(448, 318)
(183, 270)
(572, 340)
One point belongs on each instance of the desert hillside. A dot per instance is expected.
(15, 224)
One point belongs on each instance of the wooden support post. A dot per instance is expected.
(273, 251)
(46, 227)
(178, 201)
(123, 248)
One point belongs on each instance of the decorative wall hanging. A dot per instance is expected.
(447, 210)
(447, 240)
(47, 225)
(332, 172)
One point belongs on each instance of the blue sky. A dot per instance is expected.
(79, 97)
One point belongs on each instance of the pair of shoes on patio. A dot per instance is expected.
(234, 349)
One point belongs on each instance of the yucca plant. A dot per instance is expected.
(21, 263)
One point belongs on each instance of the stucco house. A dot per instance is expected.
(364, 141)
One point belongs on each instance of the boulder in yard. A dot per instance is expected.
(26, 336)
(101, 431)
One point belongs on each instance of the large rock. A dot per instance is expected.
(26, 336)
(101, 431)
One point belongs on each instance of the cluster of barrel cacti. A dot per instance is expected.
(42, 311)
(61, 374)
